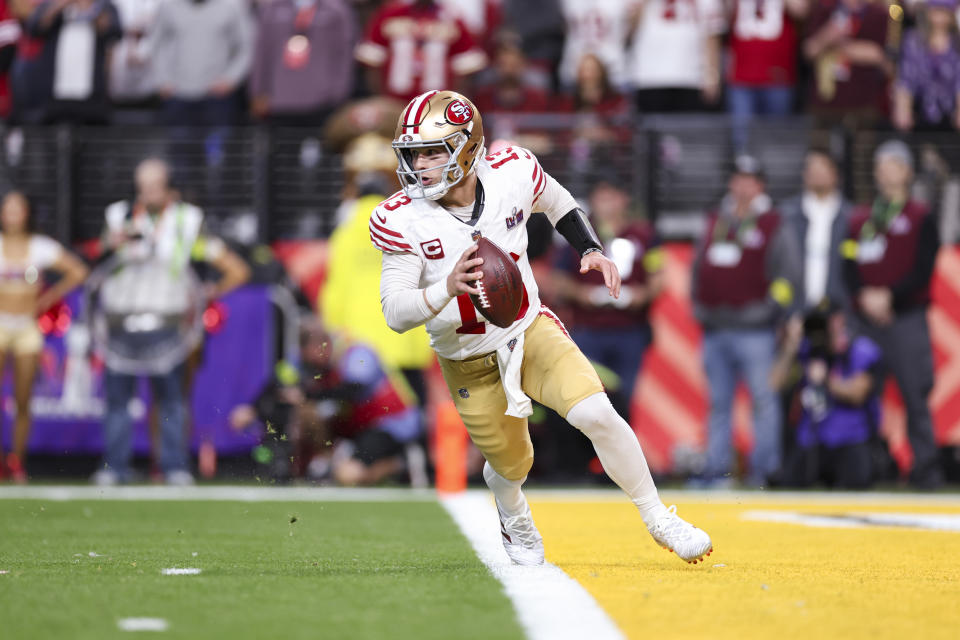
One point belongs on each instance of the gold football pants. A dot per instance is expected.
(554, 373)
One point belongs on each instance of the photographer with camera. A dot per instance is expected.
(341, 412)
(839, 407)
(147, 314)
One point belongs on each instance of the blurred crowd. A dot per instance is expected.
(856, 63)
(810, 303)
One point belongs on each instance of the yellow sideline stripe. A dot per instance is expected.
(779, 580)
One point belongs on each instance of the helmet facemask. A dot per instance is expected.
(450, 173)
(437, 121)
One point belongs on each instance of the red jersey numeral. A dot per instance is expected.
(396, 204)
(469, 321)
(504, 160)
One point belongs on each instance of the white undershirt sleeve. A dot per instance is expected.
(555, 201)
(405, 305)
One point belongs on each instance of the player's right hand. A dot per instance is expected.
(461, 275)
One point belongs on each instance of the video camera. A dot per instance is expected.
(816, 331)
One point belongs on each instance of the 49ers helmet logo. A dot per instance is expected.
(458, 112)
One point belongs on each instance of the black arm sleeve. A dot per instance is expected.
(575, 227)
(919, 275)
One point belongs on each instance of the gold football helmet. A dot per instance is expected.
(442, 119)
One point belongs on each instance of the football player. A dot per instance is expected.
(453, 194)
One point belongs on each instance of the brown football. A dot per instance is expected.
(501, 287)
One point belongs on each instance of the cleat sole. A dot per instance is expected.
(701, 559)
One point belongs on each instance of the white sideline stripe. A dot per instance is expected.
(142, 624)
(245, 493)
(229, 493)
(929, 521)
(186, 571)
(550, 605)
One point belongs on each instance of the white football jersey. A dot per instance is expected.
(669, 43)
(514, 186)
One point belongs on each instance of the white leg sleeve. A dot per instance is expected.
(619, 452)
(507, 492)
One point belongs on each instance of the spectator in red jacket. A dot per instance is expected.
(762, 56)
(744, 278)
(614, 332)
(847, 43)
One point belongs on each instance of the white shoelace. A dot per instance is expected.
(521, 529)
(672, 524)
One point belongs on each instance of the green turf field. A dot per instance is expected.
(269, 570)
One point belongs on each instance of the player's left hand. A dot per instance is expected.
(603, 264)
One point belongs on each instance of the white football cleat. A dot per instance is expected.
(521, 540)
(676, 534)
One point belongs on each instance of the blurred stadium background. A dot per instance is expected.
(279, 149)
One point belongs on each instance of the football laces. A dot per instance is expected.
(484, 301)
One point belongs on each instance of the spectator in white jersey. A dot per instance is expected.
(453, 194)
(145, 300)
(674, 60)
(24, 257)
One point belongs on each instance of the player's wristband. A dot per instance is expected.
(575, 227)
(435, 297)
